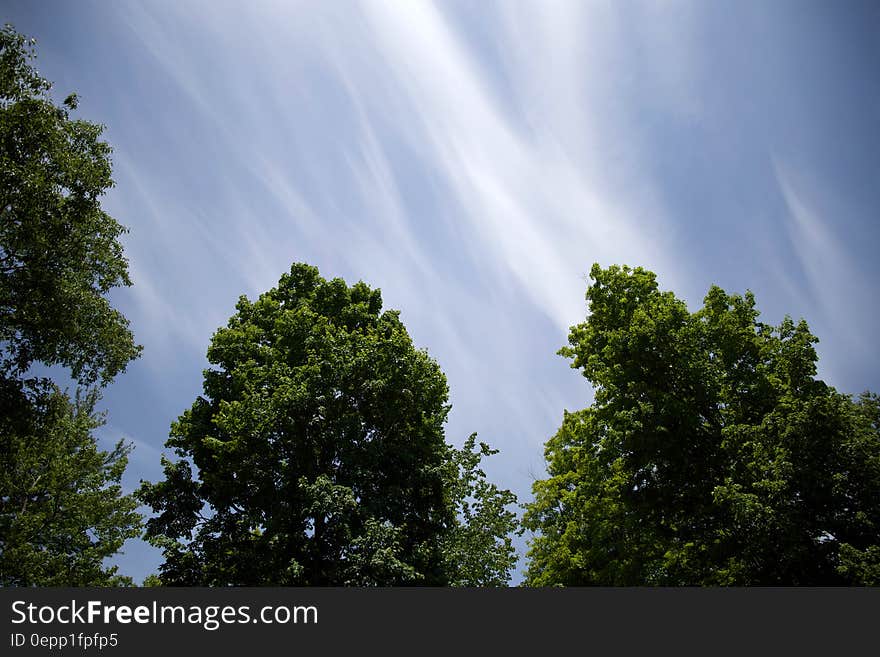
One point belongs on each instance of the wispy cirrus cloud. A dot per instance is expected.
(524, 197)
(834, 284)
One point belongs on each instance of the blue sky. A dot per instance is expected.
(473, 159)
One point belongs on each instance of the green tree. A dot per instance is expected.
(711, 454)
(61, 511)
(61, 508)
(317, 456)
(479, 550)
(59, 251)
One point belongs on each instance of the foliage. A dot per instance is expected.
(319, 453)
(59, 251)
(711, 454)
(61, 508)
(479, 551)
(151, 581)
(62, 511)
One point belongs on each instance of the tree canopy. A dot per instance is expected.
(711, 454)
(62, 511)
(316, 455)
(59, 251)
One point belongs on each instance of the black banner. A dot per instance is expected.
(236, 621)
